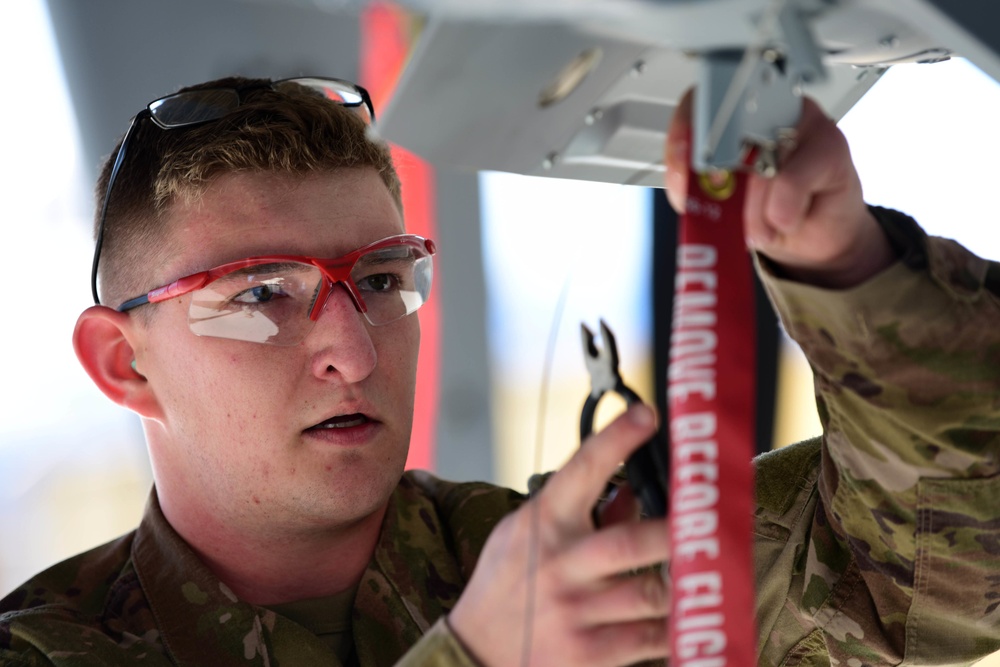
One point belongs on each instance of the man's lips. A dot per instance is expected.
(342, 422)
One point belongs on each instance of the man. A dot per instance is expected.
(276, 392)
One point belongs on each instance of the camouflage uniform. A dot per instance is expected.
(880, 548)
(146, 599)
(883, 546)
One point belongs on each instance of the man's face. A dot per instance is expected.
(310, 436)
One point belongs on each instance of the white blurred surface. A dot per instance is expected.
(926, 140)
(72, 465)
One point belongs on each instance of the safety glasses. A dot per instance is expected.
(277, 299)
(195, 107)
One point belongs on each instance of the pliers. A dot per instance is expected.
(647, 468)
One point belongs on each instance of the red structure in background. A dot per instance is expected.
(386, 37)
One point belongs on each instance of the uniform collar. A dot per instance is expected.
(412, 580)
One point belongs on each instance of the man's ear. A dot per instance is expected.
(104, 340)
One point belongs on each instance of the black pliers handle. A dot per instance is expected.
(646, 469)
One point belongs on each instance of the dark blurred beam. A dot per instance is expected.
(981, 20)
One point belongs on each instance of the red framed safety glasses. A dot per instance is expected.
(276, 299)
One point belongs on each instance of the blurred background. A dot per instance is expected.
(523, 259)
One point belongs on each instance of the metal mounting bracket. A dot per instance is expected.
(752, 98)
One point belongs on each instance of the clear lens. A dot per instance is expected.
(267, 303)
(392, 282)
(270, 303)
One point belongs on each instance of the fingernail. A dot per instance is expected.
(641, 415)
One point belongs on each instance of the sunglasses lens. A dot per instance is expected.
(340, 92)
(393, 282)
(196, 106)
(266, 303)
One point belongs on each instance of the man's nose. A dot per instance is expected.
(342, 340)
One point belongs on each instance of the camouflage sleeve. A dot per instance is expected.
(30, 656)
(907, 373)
(439, 647)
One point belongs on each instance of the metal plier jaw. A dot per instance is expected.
(647, 468)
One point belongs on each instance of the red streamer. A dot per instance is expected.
(712, 385)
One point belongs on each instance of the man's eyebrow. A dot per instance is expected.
(267, 269)
(389, 257)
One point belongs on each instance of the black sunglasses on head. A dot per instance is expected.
(195, 107)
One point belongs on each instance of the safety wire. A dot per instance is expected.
(533, 539)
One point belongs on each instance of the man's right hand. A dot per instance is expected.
(584, 608)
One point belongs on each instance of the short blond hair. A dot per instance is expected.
(286, 132)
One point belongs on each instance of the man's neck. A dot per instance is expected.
(279, 566)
